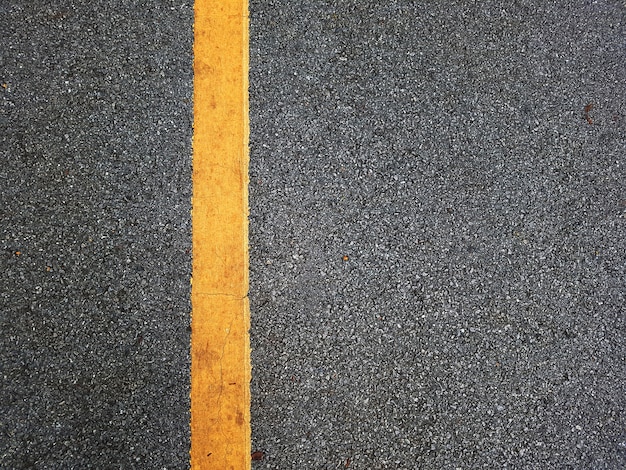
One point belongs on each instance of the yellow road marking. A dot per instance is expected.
(220, 346)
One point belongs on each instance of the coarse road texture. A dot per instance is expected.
(95, 189)
(468, 160)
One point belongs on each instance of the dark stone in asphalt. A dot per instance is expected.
(95, 142)
(449, 150)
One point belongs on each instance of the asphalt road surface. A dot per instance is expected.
(95, 187)
(438, 255)
(437, 226)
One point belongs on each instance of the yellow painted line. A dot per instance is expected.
(220, 346)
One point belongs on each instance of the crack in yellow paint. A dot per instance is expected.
(220, 347)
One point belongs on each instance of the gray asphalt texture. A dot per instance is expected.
(444, 148)
(95, 187)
